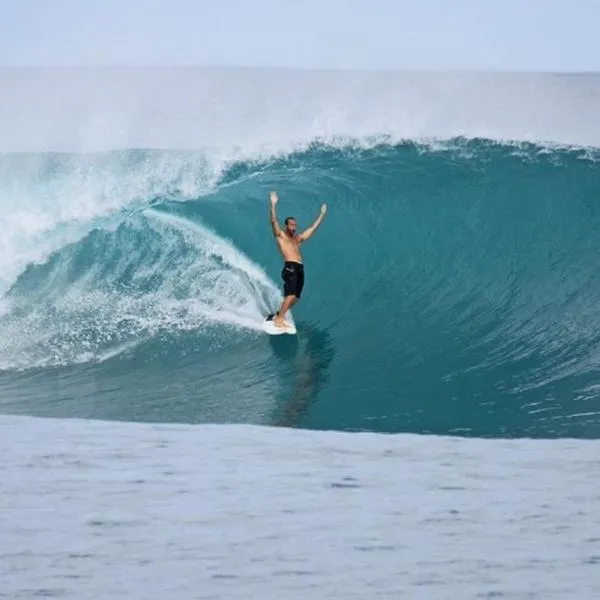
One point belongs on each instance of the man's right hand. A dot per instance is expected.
(274, 198)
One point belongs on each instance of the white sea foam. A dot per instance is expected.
(49, 201)
(249, 111)
(202, 279)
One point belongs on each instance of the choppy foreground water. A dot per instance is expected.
(110, 510)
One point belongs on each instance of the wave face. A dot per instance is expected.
(453, 288)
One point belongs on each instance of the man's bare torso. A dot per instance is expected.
(289, 247)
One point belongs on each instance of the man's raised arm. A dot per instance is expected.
(274, 223)
(308, 233)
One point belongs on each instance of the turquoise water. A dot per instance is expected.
(453, 288)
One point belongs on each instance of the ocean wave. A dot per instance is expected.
(452, 288)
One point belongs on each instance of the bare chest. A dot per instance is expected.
(288, 243)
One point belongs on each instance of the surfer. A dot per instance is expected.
(293, 268)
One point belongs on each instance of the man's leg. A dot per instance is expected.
(287, 303)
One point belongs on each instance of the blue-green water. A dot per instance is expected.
(452, 288)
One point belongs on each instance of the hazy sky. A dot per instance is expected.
(556, 35)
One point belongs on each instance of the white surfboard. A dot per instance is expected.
(272, 329)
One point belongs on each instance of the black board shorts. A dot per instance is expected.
(293, 278)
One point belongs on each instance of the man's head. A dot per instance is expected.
(290, 225)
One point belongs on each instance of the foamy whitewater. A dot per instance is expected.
(436, 416)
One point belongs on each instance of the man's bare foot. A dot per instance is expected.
(280, 322)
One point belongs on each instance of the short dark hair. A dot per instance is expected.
(288, 219)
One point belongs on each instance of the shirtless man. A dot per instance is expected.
(293, 269)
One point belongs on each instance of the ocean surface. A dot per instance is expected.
(152, 511)
(432, 428)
